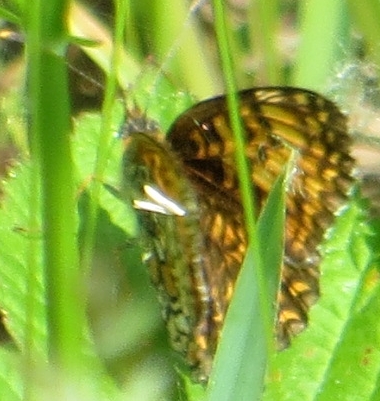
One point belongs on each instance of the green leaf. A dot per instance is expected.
(16, 237)
(337, 357)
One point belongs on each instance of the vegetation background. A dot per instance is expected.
(56, 214)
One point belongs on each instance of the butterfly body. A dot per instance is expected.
(195, 257)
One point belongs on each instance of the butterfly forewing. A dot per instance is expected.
(195, 258)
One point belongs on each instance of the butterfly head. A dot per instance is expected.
(137, 121)
(146, 177)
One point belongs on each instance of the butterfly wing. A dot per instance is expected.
(281, 125)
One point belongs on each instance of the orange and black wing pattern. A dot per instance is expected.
(186, 191)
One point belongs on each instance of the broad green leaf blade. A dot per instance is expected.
(329, 360)
(242, 355)
(15, 237)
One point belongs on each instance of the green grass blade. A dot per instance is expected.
(105, 137)
(51, 157)
(241, 359)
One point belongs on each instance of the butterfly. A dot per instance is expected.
(185, 190)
